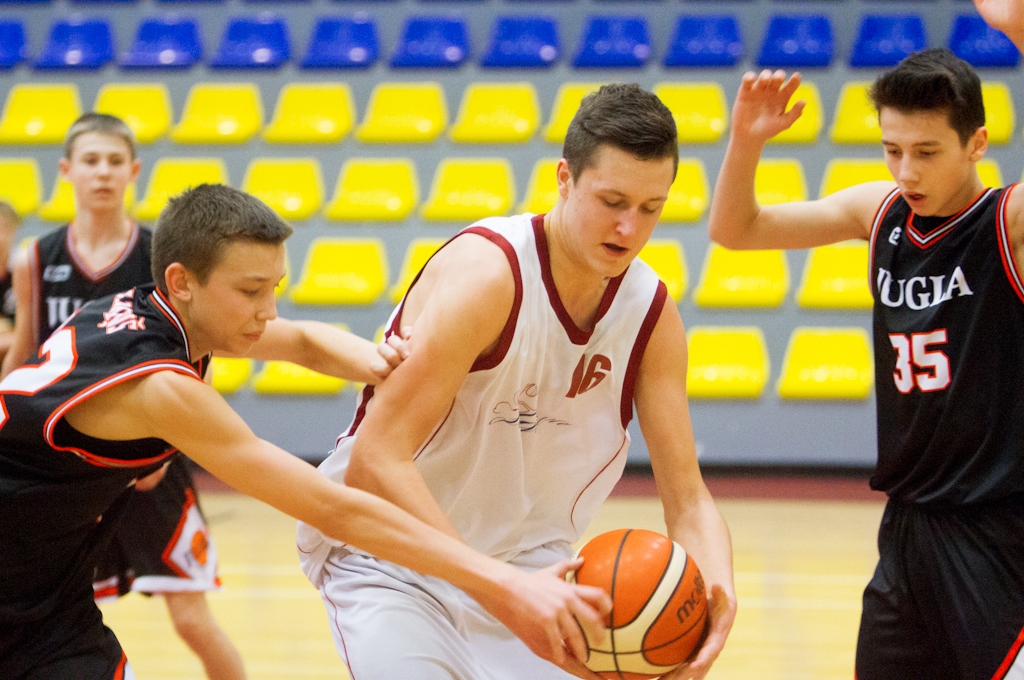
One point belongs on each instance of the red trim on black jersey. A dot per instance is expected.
(167, 309)
(1011, 656)
(938, 233)
(876, 225)
(83, 267)
(190, 501)
(136, 371)
(637, 353)
(1010, 264)
(121, 665)
(576, 335)
(600, 472)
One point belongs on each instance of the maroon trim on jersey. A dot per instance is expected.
(938, 233)
(876, 226)
(1011, 656)
(496, 355)
(600, 472)
(83, 267)
(1010, 264)
(37, 286)
(337, 627)
(136, 371)
(576, 335)
(436, 431)
(637, 354)
(164, 305)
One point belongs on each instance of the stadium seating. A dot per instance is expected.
(836, 277)
(220, 113)
(342, 43)
(285, 378)
(171, 176)
(420, 250)
(796, 41)
(542, 190)
(230, 375)
(742, 278)
(806, 128)
(567, 101)
(726, 362)
(19, 184)
(145, 107)
(465, 190)
(688, 196)
(665, 256)
(432, 42)
(856, 120)
(989, 173)
(39, 114)
(61, 205)
(841, 173)
(979, 44)
(711, 40)
(77, 43)
(404, 112)
(699, 110)
(342, 272)
(613, 42)
(165, 42)
(292, 187)
(522, 42)
(259, 42)
(374, 189)
(827, 363)
(885, 40)
(13, 48)
(311, 113)
(999, 115)
(497, 113)
(779, 181)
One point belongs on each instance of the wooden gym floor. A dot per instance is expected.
(804, 549)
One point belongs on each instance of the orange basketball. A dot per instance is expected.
(659, 616)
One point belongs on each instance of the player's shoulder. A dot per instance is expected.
(54, 240)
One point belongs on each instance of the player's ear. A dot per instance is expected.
(978, 144)
(136, 166)
(564, 178)
(63, 165)
(178, 280)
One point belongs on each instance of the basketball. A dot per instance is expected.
(659, 616)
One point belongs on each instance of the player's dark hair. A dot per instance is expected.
(934, 80)
(626, 117)
(102, 123)
(196, 225)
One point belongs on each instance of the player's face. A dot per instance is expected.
(936, 174)
(100, 169)
(612, 208)
(235, 303)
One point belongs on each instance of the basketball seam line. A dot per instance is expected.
(615, 576)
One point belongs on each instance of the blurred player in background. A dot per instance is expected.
(947, 273)
(9, 222)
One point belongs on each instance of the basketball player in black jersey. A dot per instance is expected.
(947, 263)
(117, 390)
(104, 251)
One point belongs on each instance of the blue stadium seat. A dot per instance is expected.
(712, 40)
(980, 45)
(342, 43)
(96, 2)
(13, 49)
(522, 42)
(170, 42)
(884, 40)
(22, 2)
(261, 42)
(77, 43)
(432, 42)
(614, 41)
(794, 40)
(192, 1)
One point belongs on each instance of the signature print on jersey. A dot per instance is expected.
(920, 292)
(121, 315)
(521, 412)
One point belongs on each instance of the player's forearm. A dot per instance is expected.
(16, 356)
(734, 207)
(336, 352)
(701, 529)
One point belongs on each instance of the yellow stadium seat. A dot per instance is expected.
(806, 128)
(856, 120)
(220, 113)
(20, 185)
(836, 277)
(311, 113)
(498, 113)
(742, 278)
(542, 190)
(284, 377)
(842, 173)
(145, 107)
(229, 375)
(61, 206)
(342, 272)
(404, 112)
(375, 189)
(779, 181)
(171, 176)
(688, 195)
(292, 187)
(567, 101)
(665, 257)
(469, 189)
(989, 173)
(420, 250)
(39, 114)
(726, 362)
(699, 109)
(827, 363)
(999, 115)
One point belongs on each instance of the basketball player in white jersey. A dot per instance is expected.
(534, 336)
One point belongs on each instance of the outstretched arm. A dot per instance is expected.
(691, 516)
(737, 221)
(1006, 16)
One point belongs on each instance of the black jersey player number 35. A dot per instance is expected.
(916, 350)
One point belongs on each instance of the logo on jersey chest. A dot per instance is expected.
(121, 315)
(920, 292)
(587, 376)
(55, 273)
(59, 309)
(522, 411)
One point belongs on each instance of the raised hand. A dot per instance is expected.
(392, 352)
(759, 112)
(723, 612)
(1004, 15)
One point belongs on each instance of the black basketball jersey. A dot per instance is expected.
(8, 303)
(55, 482)
(949, 354)
(62, 282)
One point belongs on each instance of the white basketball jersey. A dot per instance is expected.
(536, 437)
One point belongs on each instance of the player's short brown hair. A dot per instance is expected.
(934, 80)
(196, 225)
(102, 123)
(624, 116)
(8, 214)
